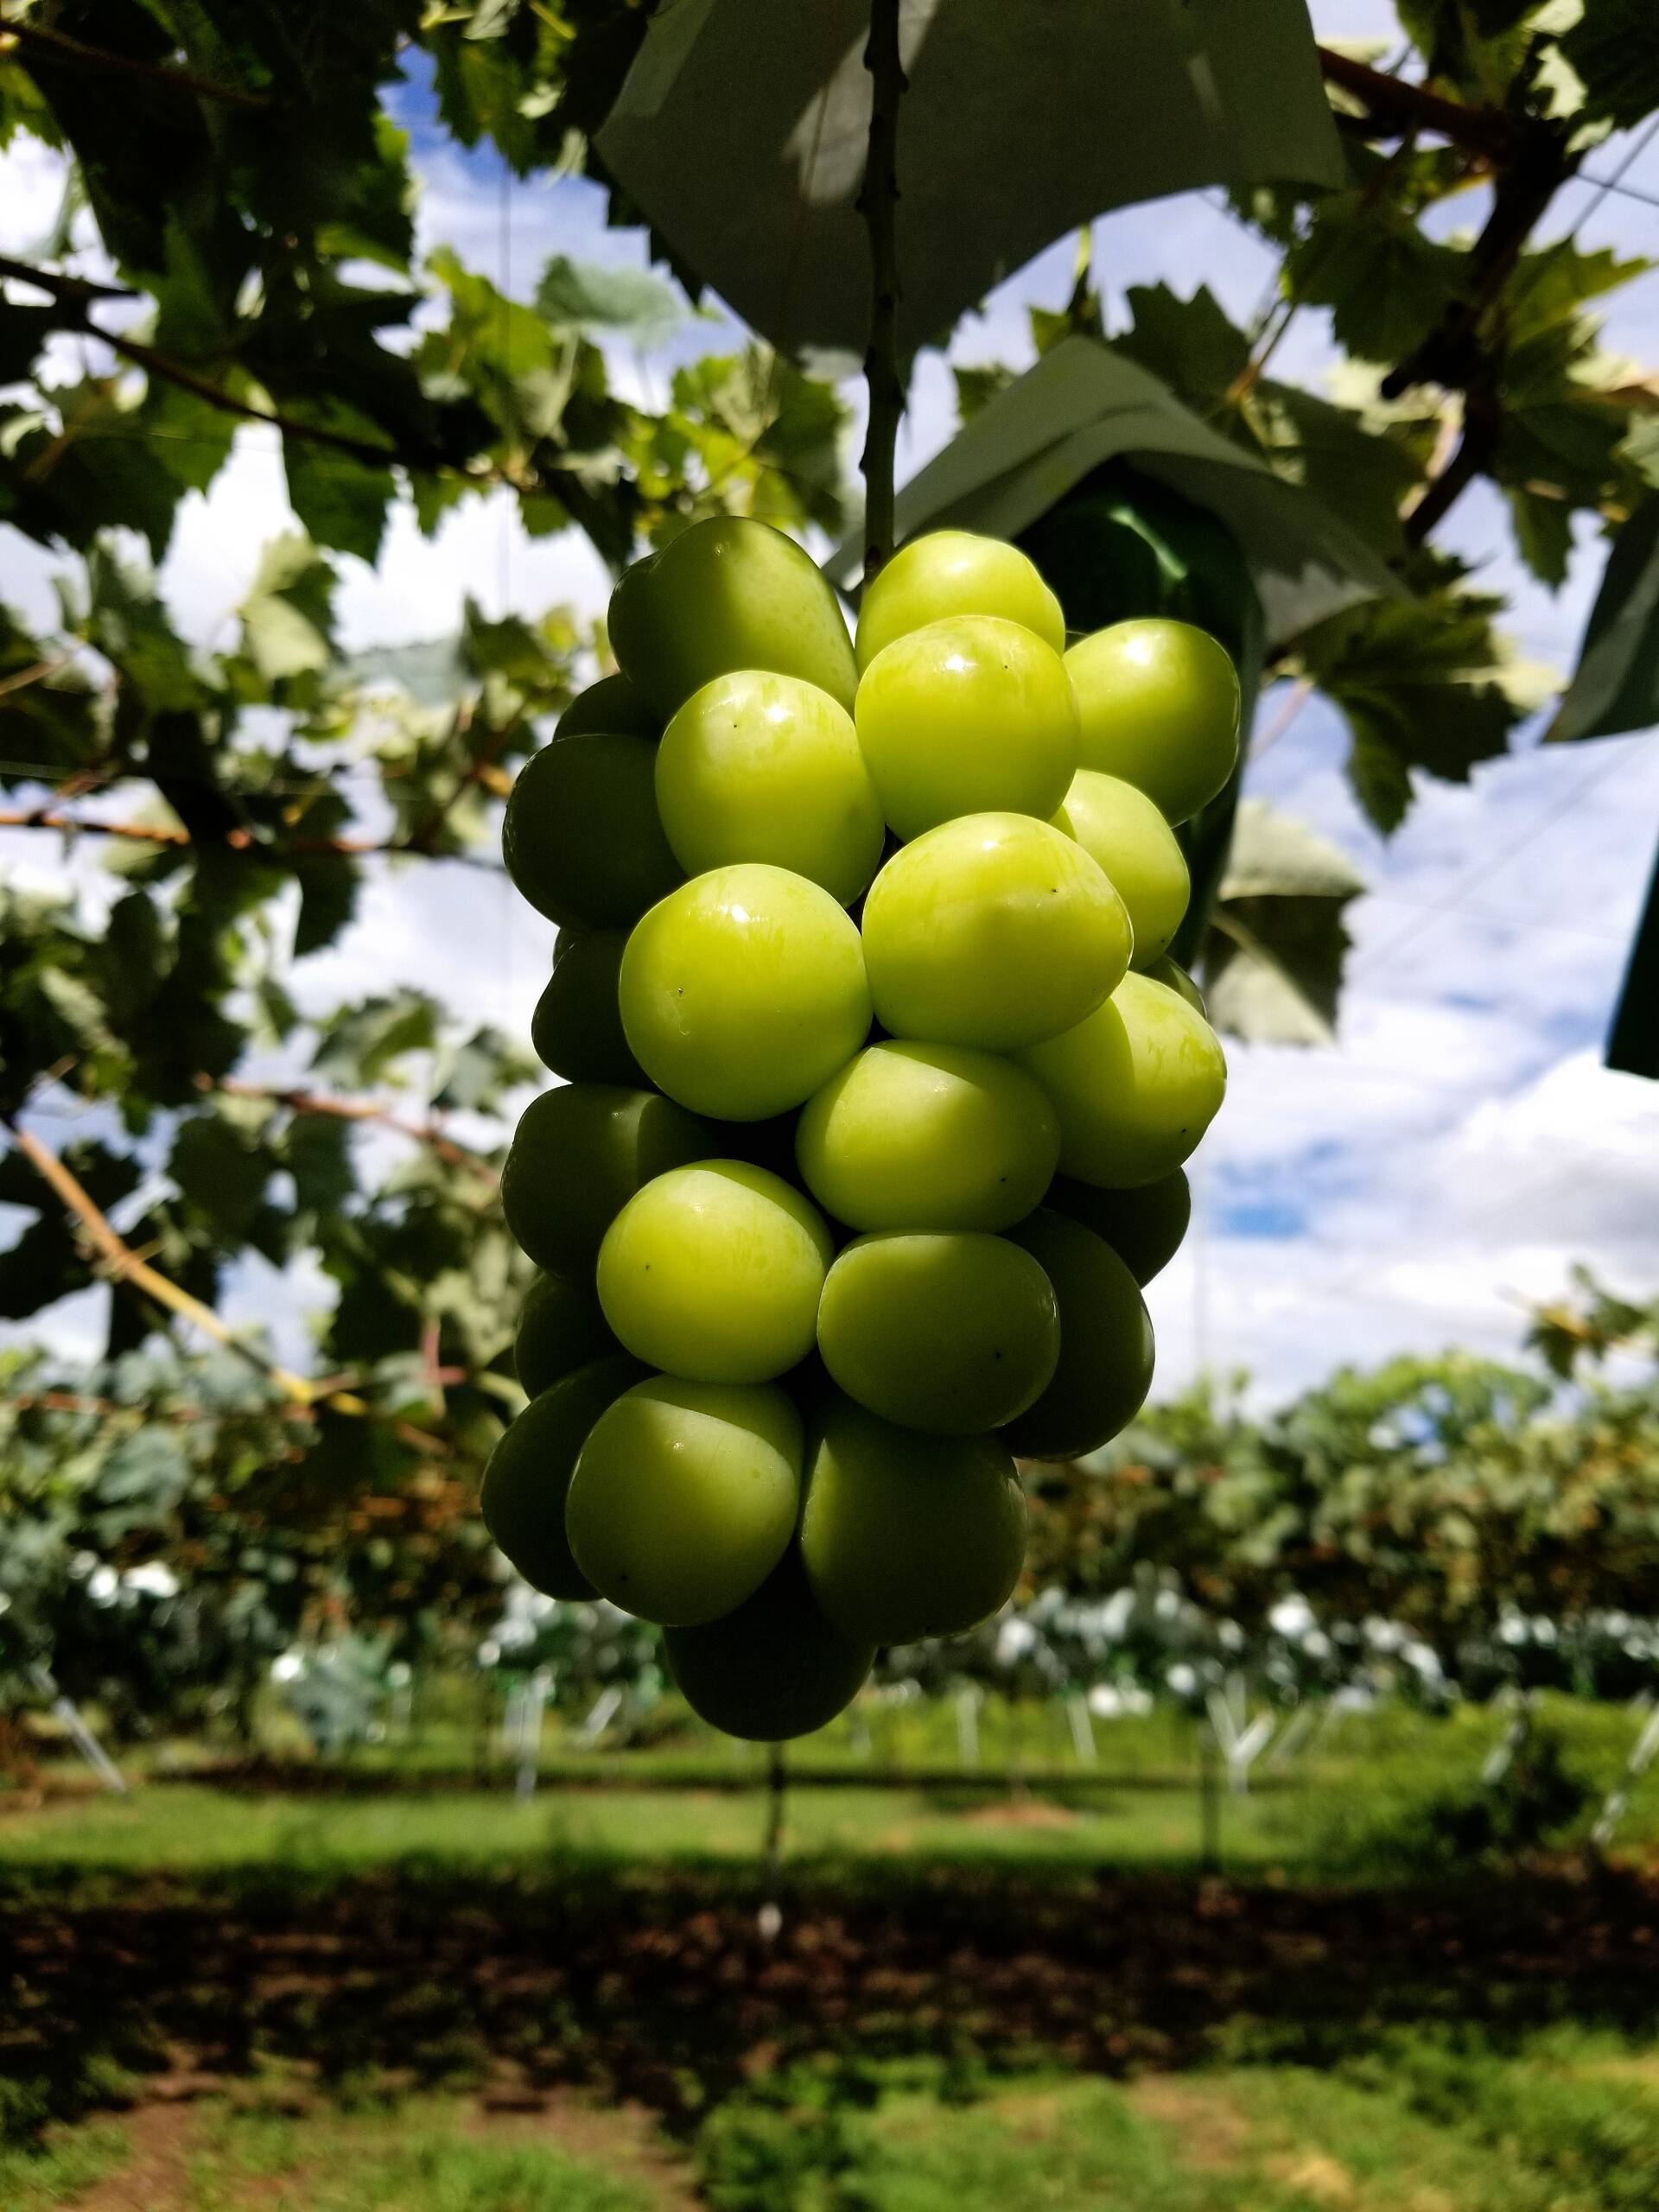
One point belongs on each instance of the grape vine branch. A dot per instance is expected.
(124, 1265)
(878, 202)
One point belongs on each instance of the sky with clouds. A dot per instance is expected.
(1460, 1148)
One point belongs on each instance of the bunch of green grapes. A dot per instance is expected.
(879, 1083)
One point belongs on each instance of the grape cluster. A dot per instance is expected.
(879, 1084)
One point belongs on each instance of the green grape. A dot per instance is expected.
(995, 930)
(955, 572)
(528, 1474)
(577, 1026)
(1164, 972)
(1135, 1085)
(1120, 827)
(775, 1667)
(561, 1327)
(714, 1272)
(1105, 1366)
(685, 1497)
(743, 991)
(905, 1536)
(966, 716)
(611, 704)
(578, 1155)
(1159, 705)
(582, 840)
(955, 1333)
(763, 767)
(928, 1136)
(727, 593)
(1143, 1226)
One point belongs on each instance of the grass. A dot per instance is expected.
(1353, 1811)
(431, 2155)
(190, 1828)
(1568, 2122)
(419, 2158)
(32, 2178)
(457, 1738)
(982, 1997)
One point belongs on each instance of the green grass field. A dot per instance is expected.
(390, 1989)
(1347, 1809)
(1565, 2127)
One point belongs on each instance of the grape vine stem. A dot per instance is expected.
(56, 47)
(878, 203)
(239, 840)
(320, 1104)
(123, 1264)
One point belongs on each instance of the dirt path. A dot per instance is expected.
(155, 2177)
(621, 2138)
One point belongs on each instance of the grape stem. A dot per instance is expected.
(878, 203)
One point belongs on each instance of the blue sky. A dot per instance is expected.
(1411, 1188)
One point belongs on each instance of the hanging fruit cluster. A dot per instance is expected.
(879, 1086)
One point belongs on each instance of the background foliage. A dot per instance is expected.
(252, 259)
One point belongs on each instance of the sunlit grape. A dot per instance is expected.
(714, 1271)
(762, 767)
(1135, 1085)
(727, 593)
(965, 716)
(955, 572)
(954, 1332)
(995, 931)
(743, 991)
(1159, 703)
(1121, 828)
(928, 1136)
(684, 1496)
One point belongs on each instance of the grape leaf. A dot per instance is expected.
(359, 1045)
(1615, 686)
(1423, 682)
(288, 617)
(978, 386)
(1272, 962)
(1614, 48)
(1386, 285)
(590, 296)
(337, 499)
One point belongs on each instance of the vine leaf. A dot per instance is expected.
(1615, 686)
(1423, 682)
(288, 617)
(741, 135)
(589, 296)
(1083, 404)
(1272, 963)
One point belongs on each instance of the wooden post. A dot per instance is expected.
(771, 1915)
(1210, 1797)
